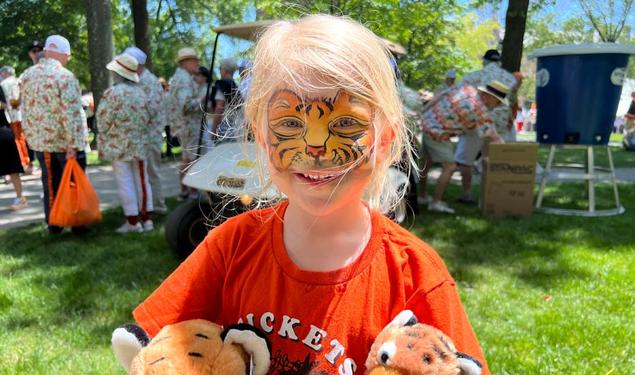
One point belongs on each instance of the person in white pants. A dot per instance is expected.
(123, 120)
(150, 85)
(133, 186)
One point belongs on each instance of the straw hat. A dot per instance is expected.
(126, 66)
(496, 89)
(186, 53)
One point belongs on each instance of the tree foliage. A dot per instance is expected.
(474, 38)
(183, 23)
(426, 29)
(608, 17)
(22, 21)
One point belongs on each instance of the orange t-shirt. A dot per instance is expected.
(317, 322)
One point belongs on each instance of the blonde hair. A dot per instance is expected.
(321, 52)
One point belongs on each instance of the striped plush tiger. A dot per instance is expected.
(192, 347)
(413, 348)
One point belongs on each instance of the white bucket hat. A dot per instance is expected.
(57, 43)
(186, 53)
(126, 66)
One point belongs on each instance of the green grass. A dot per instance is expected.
(61, 297)
(577, 154)
(545, 294)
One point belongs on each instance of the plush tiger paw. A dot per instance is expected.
(192, 347)
(407, 347)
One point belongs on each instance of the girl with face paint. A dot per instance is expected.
(322, 272)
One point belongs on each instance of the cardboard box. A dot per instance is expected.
(509, 175)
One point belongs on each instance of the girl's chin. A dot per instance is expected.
(320, 202)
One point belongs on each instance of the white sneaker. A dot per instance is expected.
(127, 227)
(19, 203)
(440, 207)
(148, 225)
(424, 200)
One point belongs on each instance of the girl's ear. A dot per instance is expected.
(386, 138)
(257, 135)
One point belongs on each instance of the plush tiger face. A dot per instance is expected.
(326, 133)
(417, 349)
(192, 347)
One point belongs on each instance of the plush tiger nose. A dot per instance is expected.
(315, 138)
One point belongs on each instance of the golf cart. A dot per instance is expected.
(228, 179)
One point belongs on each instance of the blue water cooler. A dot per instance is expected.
(578, 90)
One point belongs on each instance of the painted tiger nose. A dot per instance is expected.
(315, 150)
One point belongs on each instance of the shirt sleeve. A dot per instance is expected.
(187, 97)
(192, 291)
(103, 113)
(441, 307)
(486, 129)
(73, 121)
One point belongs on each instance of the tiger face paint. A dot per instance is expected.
(325, 133)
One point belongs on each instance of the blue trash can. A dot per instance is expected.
(578, 90)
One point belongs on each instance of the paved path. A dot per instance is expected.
(102, 178)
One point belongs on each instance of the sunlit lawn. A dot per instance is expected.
(545, 294)
(577, 154)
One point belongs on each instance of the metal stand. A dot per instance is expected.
(590, 173)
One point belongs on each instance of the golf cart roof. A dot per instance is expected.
(247, 31)
(250, 30)
(396, 48)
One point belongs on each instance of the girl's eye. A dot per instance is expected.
(345, 122)
(291, 123)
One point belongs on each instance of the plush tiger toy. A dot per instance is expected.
(192, 347)
(406, 347)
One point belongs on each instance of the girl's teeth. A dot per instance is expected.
(317, 178)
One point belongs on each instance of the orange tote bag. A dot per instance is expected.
(76, 202)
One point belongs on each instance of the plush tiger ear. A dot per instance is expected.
(127, 341)
(253, 341)
(468, 365)
(403, 319)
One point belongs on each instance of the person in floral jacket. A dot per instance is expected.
(453, 113)
(470, 144)
(185, 111)
(123, 120)
(150, 85)
(53, 120)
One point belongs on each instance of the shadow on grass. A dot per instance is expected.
(532, 250)
(577, 155)
(91, 284)
(66, 280)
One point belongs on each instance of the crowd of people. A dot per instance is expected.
(43, 118)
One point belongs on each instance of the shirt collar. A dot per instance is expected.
(51, 62)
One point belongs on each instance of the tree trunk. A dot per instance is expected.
(141, 31)
(515, 21)
(100, 45)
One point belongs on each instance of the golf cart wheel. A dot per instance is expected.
(187, 226)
